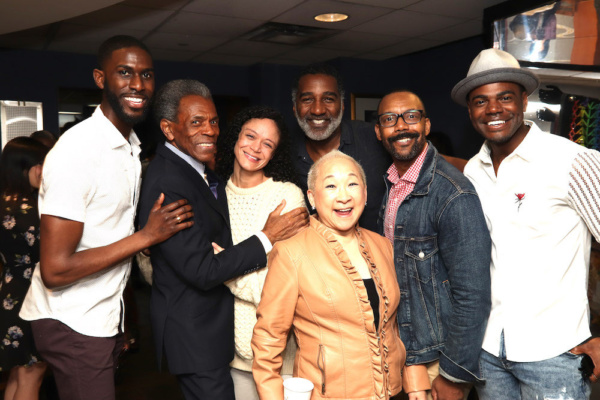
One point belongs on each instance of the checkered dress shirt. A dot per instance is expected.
(401, 187)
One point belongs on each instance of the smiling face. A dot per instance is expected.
(339, 195)
(403, 141)
(256, 145)
(318, 106)
(196, 130)
(127, 82)
(496, 112)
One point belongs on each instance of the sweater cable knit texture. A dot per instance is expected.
(249, 209)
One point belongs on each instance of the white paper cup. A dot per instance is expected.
(297, 389)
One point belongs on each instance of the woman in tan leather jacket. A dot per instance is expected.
(334, 284)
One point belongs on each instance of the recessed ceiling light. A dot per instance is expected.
(331, 17)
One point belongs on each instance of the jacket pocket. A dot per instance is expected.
(420, 254)
(321, 365)
(448, 288)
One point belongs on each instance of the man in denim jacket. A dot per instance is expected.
(433, 217)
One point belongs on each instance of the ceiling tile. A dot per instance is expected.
(262, 10)
(214, 58)
(457, 32)
(454, 8)
(181, 42)
(26, 14)
(250, 48)
(209, 25)
(162, 4)
(409, 46)
(396, 4)
(91, 34)
(304, 14)
(124, 17)
(407, 24)
(357, 41)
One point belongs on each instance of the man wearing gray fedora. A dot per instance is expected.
(541, 197)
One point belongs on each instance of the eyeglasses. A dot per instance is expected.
(410, 117)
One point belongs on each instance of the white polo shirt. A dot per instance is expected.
(540, 209)
(92, 175)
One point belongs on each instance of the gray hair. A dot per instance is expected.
(166, 105)
(332, 155)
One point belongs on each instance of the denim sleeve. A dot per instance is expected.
(465, 248)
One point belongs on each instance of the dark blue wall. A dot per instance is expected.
(38, 75)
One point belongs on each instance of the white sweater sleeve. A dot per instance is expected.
(249, 287)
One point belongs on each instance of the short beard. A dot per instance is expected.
(414, 151)
(333, 125)
(117, 107)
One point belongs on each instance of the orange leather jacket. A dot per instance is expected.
(313, 288)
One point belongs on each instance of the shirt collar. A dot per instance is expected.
(197, 165)
(346, 139)
(114, 137)
(527, 149)
(412, 174)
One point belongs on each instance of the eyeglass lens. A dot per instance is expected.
(391, 119)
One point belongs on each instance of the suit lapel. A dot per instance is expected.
(219, 205)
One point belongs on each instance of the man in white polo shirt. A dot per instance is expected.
(88, 198)
(541, 198)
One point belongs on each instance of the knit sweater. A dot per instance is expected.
(249, 209)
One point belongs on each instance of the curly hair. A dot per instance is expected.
(280, 168)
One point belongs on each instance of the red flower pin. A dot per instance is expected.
(519, 200)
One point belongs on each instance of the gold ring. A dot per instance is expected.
(178, 218)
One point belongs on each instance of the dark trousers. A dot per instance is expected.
(207, 385)
(83, 366)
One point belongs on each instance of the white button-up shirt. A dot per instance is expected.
(92, 176)
(540, 209)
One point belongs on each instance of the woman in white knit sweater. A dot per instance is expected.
(255, 160)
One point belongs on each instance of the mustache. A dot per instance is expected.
(403, 135)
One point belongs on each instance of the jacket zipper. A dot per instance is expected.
(321, 365)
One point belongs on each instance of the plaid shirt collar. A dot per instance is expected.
(412, 174)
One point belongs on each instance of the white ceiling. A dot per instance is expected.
(212, 31)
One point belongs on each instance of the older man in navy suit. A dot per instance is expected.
(192, 311)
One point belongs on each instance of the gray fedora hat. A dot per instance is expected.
(490, 66)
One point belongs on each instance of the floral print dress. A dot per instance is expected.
(19, 252)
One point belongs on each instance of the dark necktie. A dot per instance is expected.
(212, 184)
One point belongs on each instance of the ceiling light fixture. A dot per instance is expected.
(331, 17)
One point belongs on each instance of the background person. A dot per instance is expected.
(20, 176)
(253, 157)
(334, 284)
(318, 104)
